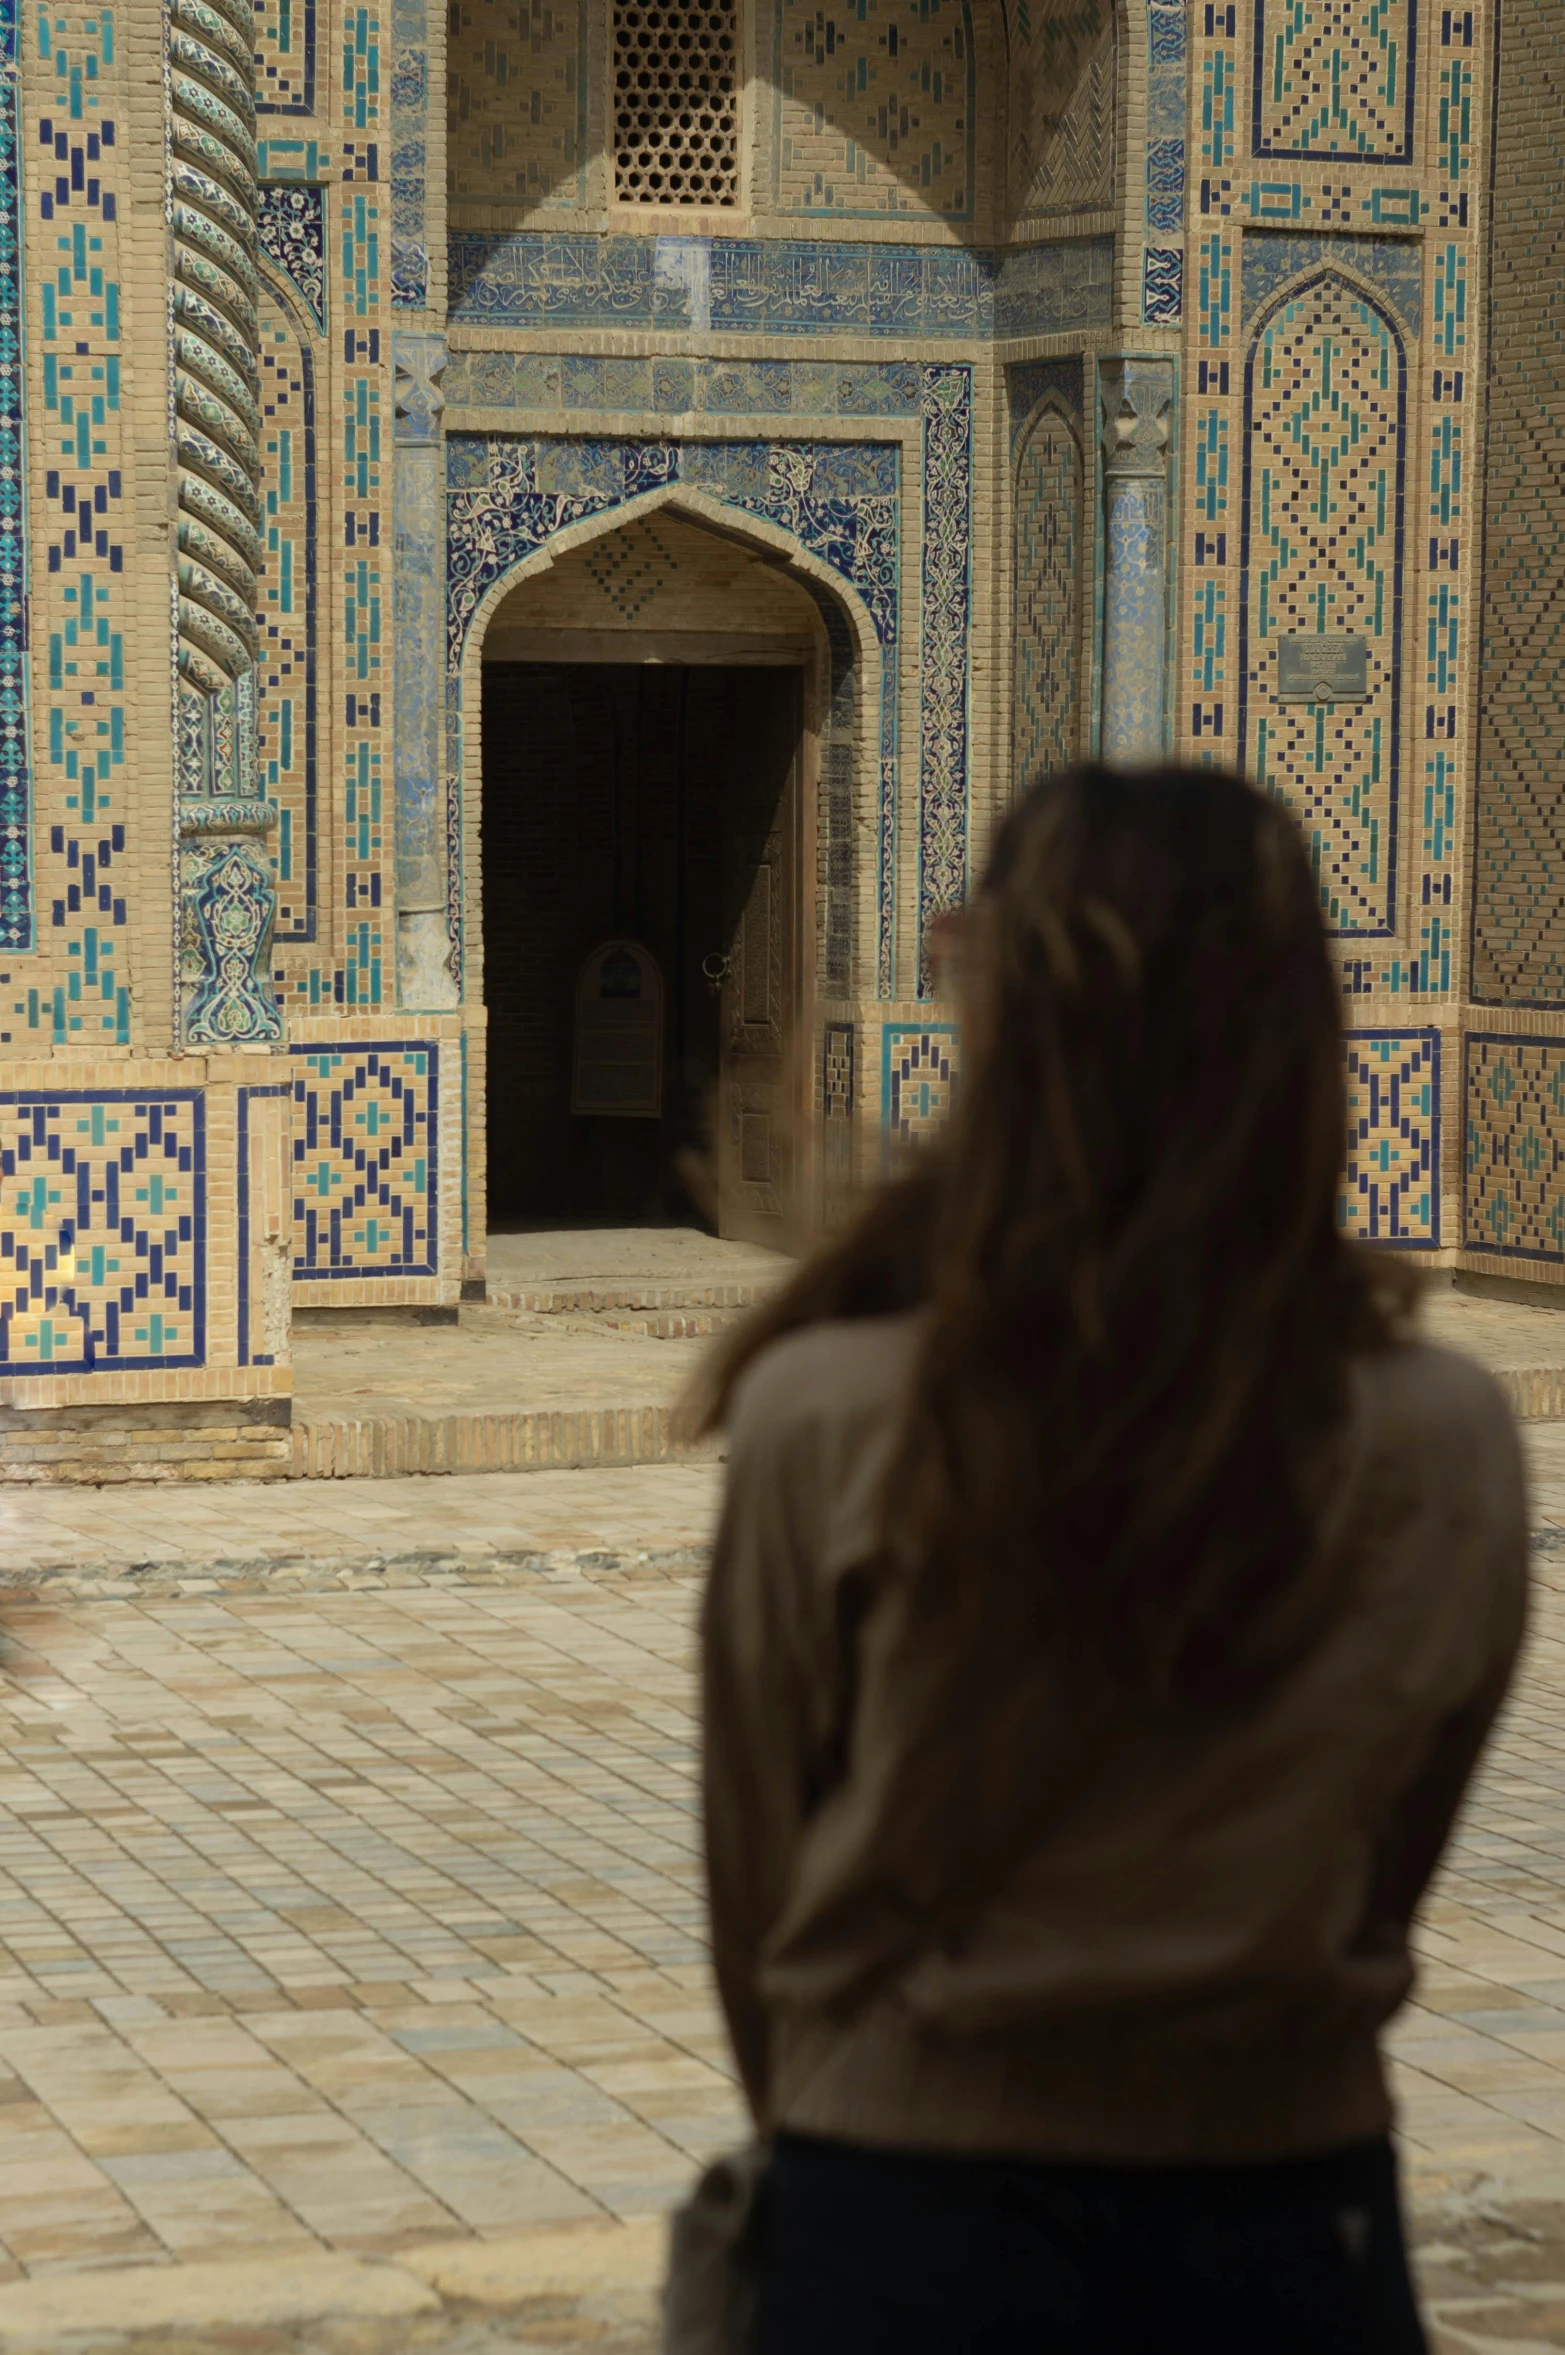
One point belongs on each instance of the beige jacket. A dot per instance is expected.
(1193, 1958)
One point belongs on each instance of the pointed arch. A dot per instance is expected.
(1321, 554)
(1046, 698)
(856, 722)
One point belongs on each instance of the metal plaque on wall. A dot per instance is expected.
(1323, 670)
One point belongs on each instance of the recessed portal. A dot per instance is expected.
(641, 950)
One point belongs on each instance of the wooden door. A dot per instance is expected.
(756, 1143)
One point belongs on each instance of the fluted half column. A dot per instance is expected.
(228, 895)
(213, 201)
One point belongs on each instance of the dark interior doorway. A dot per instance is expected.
(654, 806)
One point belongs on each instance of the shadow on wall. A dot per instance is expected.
(1061, 77)
(860, 114)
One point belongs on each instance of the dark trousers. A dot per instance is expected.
(875, 2252)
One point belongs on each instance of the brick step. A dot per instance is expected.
(599, 1299)
(687, 1322)
(343, 1447)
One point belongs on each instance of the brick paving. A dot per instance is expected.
(365, 1920)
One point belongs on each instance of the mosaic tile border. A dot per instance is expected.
(308, 928)
(188, 1237)
(776, 286)
(409, 111)
(1166, 163)
(16, 816)
(79, 618)
(945, 655)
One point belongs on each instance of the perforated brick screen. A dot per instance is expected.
(676, 132)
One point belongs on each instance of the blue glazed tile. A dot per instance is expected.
(1162, 293)
(292, 224)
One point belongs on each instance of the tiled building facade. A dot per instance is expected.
(1019, 378)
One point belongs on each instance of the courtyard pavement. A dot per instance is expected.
(350, 1918)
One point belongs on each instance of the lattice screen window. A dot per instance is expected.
(676, 99)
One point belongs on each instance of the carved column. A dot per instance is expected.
(229, 898)
(424, 976)
(1137, 397)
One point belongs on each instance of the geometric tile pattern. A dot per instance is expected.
(1452, 535)
(1045, 709)
(1213, 427)
(16, 880)
(920, 1068)
(1519, 878)
(286, 610)
(1325, 411)
(1513, 1196)
(1334, 79)
(366, 1194)
(102, 1230)
(874, 109)
(285, 56)
(517, 104)
(1391, 1190)
(81, 587)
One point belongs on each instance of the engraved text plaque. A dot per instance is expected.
(1322, 670)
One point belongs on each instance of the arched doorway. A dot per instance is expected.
(649, 774)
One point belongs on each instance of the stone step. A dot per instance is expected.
(1536, 1393)
(384, 1446)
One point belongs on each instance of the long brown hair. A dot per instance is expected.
(1140, 1305)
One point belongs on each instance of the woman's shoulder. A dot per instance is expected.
(1427, 1392)
(1446, 1421)
(831, 1371)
